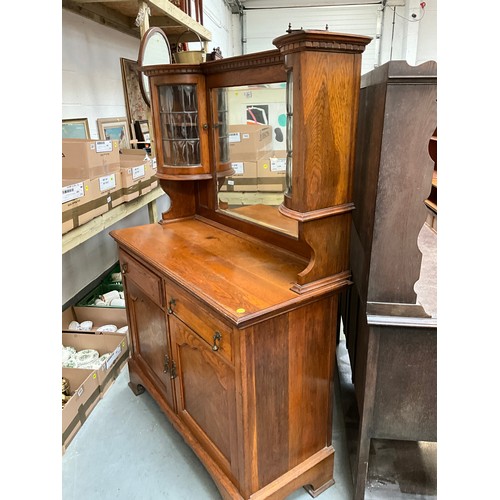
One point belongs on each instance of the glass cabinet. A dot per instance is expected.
(181, 125)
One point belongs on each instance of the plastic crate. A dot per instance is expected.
(107, 280)
(90, 298)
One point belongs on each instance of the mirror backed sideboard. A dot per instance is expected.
(232, 306)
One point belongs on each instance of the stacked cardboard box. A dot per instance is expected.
(247, 144)
(91, 181)
(138, 172)
(85, 394)
(88, 387)
(271, 172)
(87, 159)
(97, 177)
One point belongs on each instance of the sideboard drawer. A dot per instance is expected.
(200, 319)
(143, 277)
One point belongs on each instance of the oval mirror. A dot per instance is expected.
(154, 49)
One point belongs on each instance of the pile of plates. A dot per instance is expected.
(88, 325)
(88, 359)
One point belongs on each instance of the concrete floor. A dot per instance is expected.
(128, 450)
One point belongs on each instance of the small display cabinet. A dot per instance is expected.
(233, 318)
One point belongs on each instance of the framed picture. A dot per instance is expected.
(75, 128)
(135, 104)
(114, 129)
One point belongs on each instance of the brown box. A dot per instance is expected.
(114, 343)
(85, 394)
(86, 159)
(80, 210)
(271, 172)
(137, 176)
(74, 194)
(249, 142)
(100, 316)
(244, 177)
(110, 188)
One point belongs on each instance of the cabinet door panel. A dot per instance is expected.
(205, 394)
(149, 338)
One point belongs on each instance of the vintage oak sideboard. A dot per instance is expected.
(233, 321)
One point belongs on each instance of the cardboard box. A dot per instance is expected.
(85, 394)
(271, 172)
(244, 177)
(249, 142)
(100, 316)
(114, 343)
(100, 194)
(75, 193)
(86, 159)
(80, 210)
(137, 175)
(110, 190)
(154, 179)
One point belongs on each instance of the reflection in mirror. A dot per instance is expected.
(154, 49)
(255, 117)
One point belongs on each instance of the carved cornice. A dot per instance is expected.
(171, 69)
(247, 61)
(323, 41)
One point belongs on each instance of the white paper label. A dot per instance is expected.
(153, 163)
(278, 164)
(230, 182)
(107, 182)
(138, 172)
(246, 136)
(238, 167)
(72, 192)
(113, 357)
(103, 146)
(234, 137)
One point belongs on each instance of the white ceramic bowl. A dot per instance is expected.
(107, 328)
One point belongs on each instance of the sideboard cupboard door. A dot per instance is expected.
(148, 330)
(206, 396)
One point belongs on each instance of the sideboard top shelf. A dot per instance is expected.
(122, 14)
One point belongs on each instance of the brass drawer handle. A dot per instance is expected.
(217, 339)
(124, 268)
(171, 305)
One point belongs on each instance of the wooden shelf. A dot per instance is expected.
(121, 15)
(84, 232)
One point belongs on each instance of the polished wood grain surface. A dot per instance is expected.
(232, 273)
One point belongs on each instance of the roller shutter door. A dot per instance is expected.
(263, 25)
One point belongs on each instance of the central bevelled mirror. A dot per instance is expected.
(251, 128)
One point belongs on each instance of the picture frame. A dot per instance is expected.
(114, 129)
(75, 128)
(135, 105)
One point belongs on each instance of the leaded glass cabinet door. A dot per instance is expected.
(181, 126)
